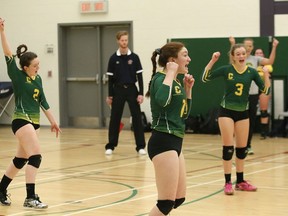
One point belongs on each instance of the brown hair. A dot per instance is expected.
(25, 57)
(120, 34)
(170, 49)
(232, 51)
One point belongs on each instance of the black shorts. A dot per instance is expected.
(160, 142)
(235, 115)
(18, 123)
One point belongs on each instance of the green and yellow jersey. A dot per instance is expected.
(237, 85)
(28, 92)
(169, 106)
(260, 70)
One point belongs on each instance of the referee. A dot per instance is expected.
(124, 70)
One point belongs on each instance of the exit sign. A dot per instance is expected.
(94, 6)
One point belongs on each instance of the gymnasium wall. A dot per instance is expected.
(34, 22)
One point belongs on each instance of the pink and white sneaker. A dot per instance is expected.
(245, 186)
(228, 189)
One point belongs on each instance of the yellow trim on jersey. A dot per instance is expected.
(240, 72)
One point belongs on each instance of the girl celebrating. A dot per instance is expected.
(233, 115)
(170, 105)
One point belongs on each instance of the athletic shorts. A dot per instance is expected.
(235, 115)
(18, 123)
(160, 142)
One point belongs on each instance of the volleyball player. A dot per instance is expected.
(254, 61)
(170, 105)
(233, 117)
(29, 98)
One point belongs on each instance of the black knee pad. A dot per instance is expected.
(227, 152)
(179, 202)
(165, 206)
(19, 163)
(241, 153)
(35, 160)
(264, 114)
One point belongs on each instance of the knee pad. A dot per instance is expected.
(179, 202)
(264, 114)
(19, 163)
(35, 160)
(165, 206)
(241, 153)
(227, 152)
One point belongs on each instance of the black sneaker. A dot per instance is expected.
(3, 198)
(34, 203)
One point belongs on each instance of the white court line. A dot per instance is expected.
(96, 170)
(148, 186)
(155, 195)
(275, 159)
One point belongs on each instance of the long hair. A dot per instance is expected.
(25, 57)
(170, 49)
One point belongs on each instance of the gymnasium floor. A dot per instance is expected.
(76, 178)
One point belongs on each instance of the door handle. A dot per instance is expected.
(81, 79)
(97, 78)
(104, 79)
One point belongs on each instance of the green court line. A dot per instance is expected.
(133, 194)
(193, 201)
(201, 198)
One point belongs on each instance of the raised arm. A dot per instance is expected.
(188, 81)
(5, 46)
(271, 59)
(213, 60)
(171, 73)
(209, 66)
(232, 41)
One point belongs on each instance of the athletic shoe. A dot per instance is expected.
(142, 152)
(3, 198)
(245, 186)
(263, 136)
(250, 151)
(34, 203)
(108, 152)
(228, 189)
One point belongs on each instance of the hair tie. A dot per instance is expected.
(158, 51)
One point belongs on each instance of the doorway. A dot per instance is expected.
(84, 52)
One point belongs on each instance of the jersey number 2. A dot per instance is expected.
(36, 94)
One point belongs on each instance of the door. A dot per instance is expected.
(84, 51)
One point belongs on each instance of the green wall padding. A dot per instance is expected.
(207, 96)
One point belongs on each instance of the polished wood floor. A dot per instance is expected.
(76, 178)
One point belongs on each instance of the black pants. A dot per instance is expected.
(253, 101)
(121, 95)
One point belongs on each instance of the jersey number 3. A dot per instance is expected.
(239, 90)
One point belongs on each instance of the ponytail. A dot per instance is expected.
(19, 51)
(170, 49)
(154, 64)
(24, 56)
